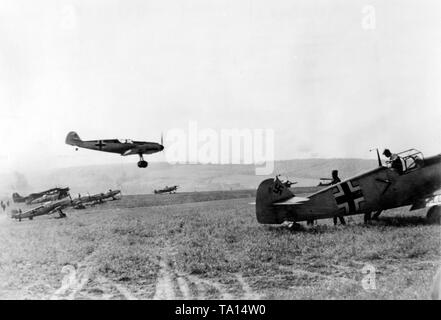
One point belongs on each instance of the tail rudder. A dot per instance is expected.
(268, 192)
(17, 198)
(73, 138)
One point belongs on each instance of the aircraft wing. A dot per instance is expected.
(428, 201)
(55, 209)
(138, 150)
(131, 151)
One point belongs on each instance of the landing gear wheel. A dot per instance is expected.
(434, 215)
(295, 226)
(143, 164)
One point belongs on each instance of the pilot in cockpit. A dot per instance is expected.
(394, 161)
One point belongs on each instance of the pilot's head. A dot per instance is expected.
(334, 173)
(387, 153)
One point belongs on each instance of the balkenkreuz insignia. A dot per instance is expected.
(348, 196)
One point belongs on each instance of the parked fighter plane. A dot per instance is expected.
(374, 191)
(124, 147)
(167, 189)
(47, 208)
(80, 202)
(61, 192)
(50, 197)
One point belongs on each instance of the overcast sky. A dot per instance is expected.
(310, 70)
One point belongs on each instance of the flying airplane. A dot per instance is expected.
(379, 189)
(167, 189)
(61, 192)
(124, 147)
(47, 208)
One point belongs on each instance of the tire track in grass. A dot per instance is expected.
(77, 280)
(164, 285)
(249, 294)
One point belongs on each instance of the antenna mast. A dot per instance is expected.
(378, 157)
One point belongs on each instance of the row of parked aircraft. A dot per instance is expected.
(58, 205)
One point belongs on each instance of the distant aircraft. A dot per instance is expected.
(60, 192)
(167, 189)
(124, 147)
(377, 190)
(47, 208)
(80, 202)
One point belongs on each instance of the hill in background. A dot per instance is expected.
(190, 177)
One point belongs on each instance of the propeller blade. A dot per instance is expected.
(162, 139)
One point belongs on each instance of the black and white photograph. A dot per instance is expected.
(239, 152)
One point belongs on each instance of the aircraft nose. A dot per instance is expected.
(161, 147)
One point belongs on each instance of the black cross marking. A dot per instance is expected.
(100, 144)
(348, 196)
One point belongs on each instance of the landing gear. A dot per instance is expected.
(376, 215)
(294, 226)
(367, 217)
(142, 163)
(62, 214)
(434, 215)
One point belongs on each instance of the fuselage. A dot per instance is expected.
(124, 147)
(379, 189)
(43, 209)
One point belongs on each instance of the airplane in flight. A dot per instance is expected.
(58, 192)
(167, 189)
(123, 147)
(416, 184)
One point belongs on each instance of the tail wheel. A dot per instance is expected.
(434, 215)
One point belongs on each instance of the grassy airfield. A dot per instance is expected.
(209, 245)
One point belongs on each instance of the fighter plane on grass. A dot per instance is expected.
(417, 184)
(167, 189)
(48, 208)
(124, 147)
(50, 194)
(80, 202)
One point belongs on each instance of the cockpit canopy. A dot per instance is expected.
(125, 140)
(411, 159)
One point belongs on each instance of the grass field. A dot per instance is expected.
(209, 245)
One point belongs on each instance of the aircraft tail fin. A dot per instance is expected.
(269, 192)
(17, 198)
(73, 138)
